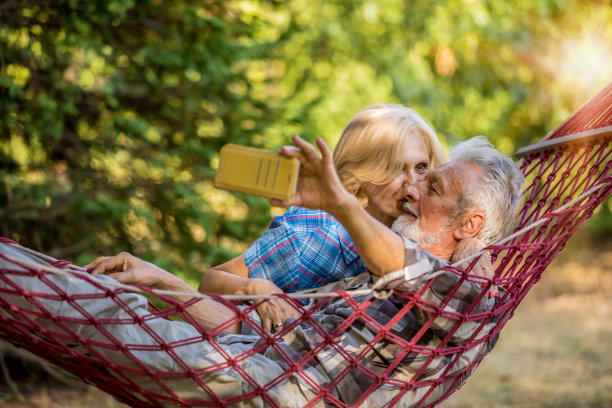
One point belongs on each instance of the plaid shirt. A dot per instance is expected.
(303, 249)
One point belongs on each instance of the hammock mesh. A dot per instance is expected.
(566, 181)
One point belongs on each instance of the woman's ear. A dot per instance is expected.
(471, 224)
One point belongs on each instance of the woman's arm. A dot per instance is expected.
(226, 278)
(381, 249)
(272, 312)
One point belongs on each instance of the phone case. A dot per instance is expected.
(255, 171)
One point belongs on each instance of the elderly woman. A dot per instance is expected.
(383, 149)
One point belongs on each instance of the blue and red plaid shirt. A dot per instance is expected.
(303, 249)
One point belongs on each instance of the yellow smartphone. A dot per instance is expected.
(256, 171)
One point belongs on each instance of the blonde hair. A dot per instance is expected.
(372, 148)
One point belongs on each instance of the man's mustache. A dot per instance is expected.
(407, 207)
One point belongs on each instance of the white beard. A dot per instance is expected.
(411, 229)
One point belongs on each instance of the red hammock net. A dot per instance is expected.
(565, 183)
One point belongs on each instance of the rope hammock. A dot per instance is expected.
(109, 334)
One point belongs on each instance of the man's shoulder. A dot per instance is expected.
(415, 254)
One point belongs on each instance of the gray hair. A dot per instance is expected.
(497, 192)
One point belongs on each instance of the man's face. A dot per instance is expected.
(429, 207)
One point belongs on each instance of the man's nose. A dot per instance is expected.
(412, 191)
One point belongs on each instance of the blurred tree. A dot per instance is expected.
(469, 66)
(112, 113)
(111, 117)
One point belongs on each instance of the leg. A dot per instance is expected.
(112, 332)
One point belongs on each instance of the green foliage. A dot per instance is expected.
(112, 113)
(111, 118)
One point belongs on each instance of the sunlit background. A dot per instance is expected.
(112, 113)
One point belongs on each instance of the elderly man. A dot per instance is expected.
(475, 195)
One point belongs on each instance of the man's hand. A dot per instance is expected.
(127, 269)
(319, 186)
(273, 312)
(483, 267)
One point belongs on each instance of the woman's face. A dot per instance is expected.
(385, 202)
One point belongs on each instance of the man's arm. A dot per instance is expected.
(380, 249)
(319, 187)
(127, 269)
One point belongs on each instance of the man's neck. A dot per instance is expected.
(442, 250)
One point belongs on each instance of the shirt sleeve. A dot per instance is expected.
(419, 265)
(275, 254)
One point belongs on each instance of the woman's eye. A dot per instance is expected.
(422, 167)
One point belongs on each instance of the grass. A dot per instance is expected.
(555, 352)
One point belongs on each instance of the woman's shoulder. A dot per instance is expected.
(305, 218)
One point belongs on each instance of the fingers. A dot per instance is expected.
(95, 262)
(270, 320)
(127, 278)
(486, 267)
(280, 203)
(483, 268)
(476, 270)
(118, 263)
(307, 149)
(485, 263)
(290, 151)
(326, 152)
(274, 313)
(303, 149)
(108, 264)
(266, 323)
(277, 326)
(494, 291)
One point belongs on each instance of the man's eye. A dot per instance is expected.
(432, 190)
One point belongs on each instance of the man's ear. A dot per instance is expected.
(471, 224)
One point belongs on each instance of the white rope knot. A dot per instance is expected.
(382, 293)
